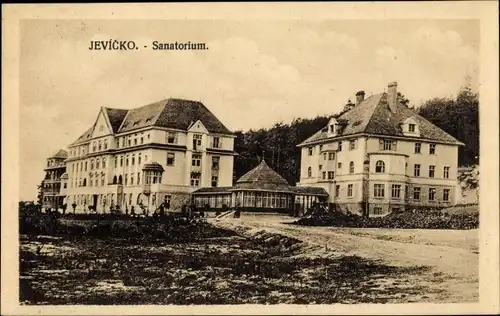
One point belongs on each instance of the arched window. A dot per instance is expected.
(120, 180)
(351, 167)
(105, 144)
(91, 164)
(114, 180)
(309, 172)
(99, 146)
(116, 162)
(380, 167)
(104, 162)
(85, 182)
(97, 163)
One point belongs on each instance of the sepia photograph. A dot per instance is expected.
(242, 161)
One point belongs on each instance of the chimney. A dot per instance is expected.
(360, 96)
(392, 93)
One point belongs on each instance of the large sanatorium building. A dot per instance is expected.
(376, 157)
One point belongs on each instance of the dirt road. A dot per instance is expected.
(451, 254)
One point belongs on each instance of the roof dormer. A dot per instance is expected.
(333, 127)
(410, 127)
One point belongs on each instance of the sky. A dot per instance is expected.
(253, 74)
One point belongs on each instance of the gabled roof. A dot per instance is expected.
(170, 113)
(373, 116)
(60, 154)
(116, 117)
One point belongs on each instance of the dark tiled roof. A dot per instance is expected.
(309, 191)
(179, 113)
(116, 117)
(85, 136)
(60, 154)
(373, 116)
(213, 190)
(153, 166)
(171, 113)
(263, 174)
(262, 177)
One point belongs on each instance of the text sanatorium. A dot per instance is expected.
(131, 45)
(179, 46)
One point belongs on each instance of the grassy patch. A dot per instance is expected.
(220, 269)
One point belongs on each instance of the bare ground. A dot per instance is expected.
(451, 255)
(268, 261)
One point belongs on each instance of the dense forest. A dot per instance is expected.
(458, 116)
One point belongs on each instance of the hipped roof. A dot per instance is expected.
(170, 113)
(263, 178)
(373, 116)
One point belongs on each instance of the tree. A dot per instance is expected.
(402, 99)
(459, 117)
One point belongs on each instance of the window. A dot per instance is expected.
(102, 180)
(320, 148)
(339, 165)
(126, 160)
(310, 151)
(170, 159)
(126, 179)
(396, 190)
(121, 161)
(378, 190)
(309, 172)
(416, 170)
(432, 194)
(332, 128)
(216, 142)
(196, 161)
(214, 180)
(377, 210)
(411, 128)
(320, 167)
(331, 175)
(352, 144)
(85, 166)
(349, 190)
(93, 146)
(104, 162)
(116, 162)
(131, 179)
(171, 138)
(105, 144)
(339, 148)
(432, 170)
(325, 155)
(215, 163)
(432, 149)
(446, 195)
(446, 172)
(324, 175)
(351, 167)
(418, 148)
(135, 141)
(195, 179)
(387, 144)
(97, 163)
(331, 156)
(138, 178)
(100, 146)
(142, 140)
(380, 167)
(197, 141)
(133, 159)
(139, 159)
(337, 190)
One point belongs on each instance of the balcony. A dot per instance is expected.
(146, 189)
